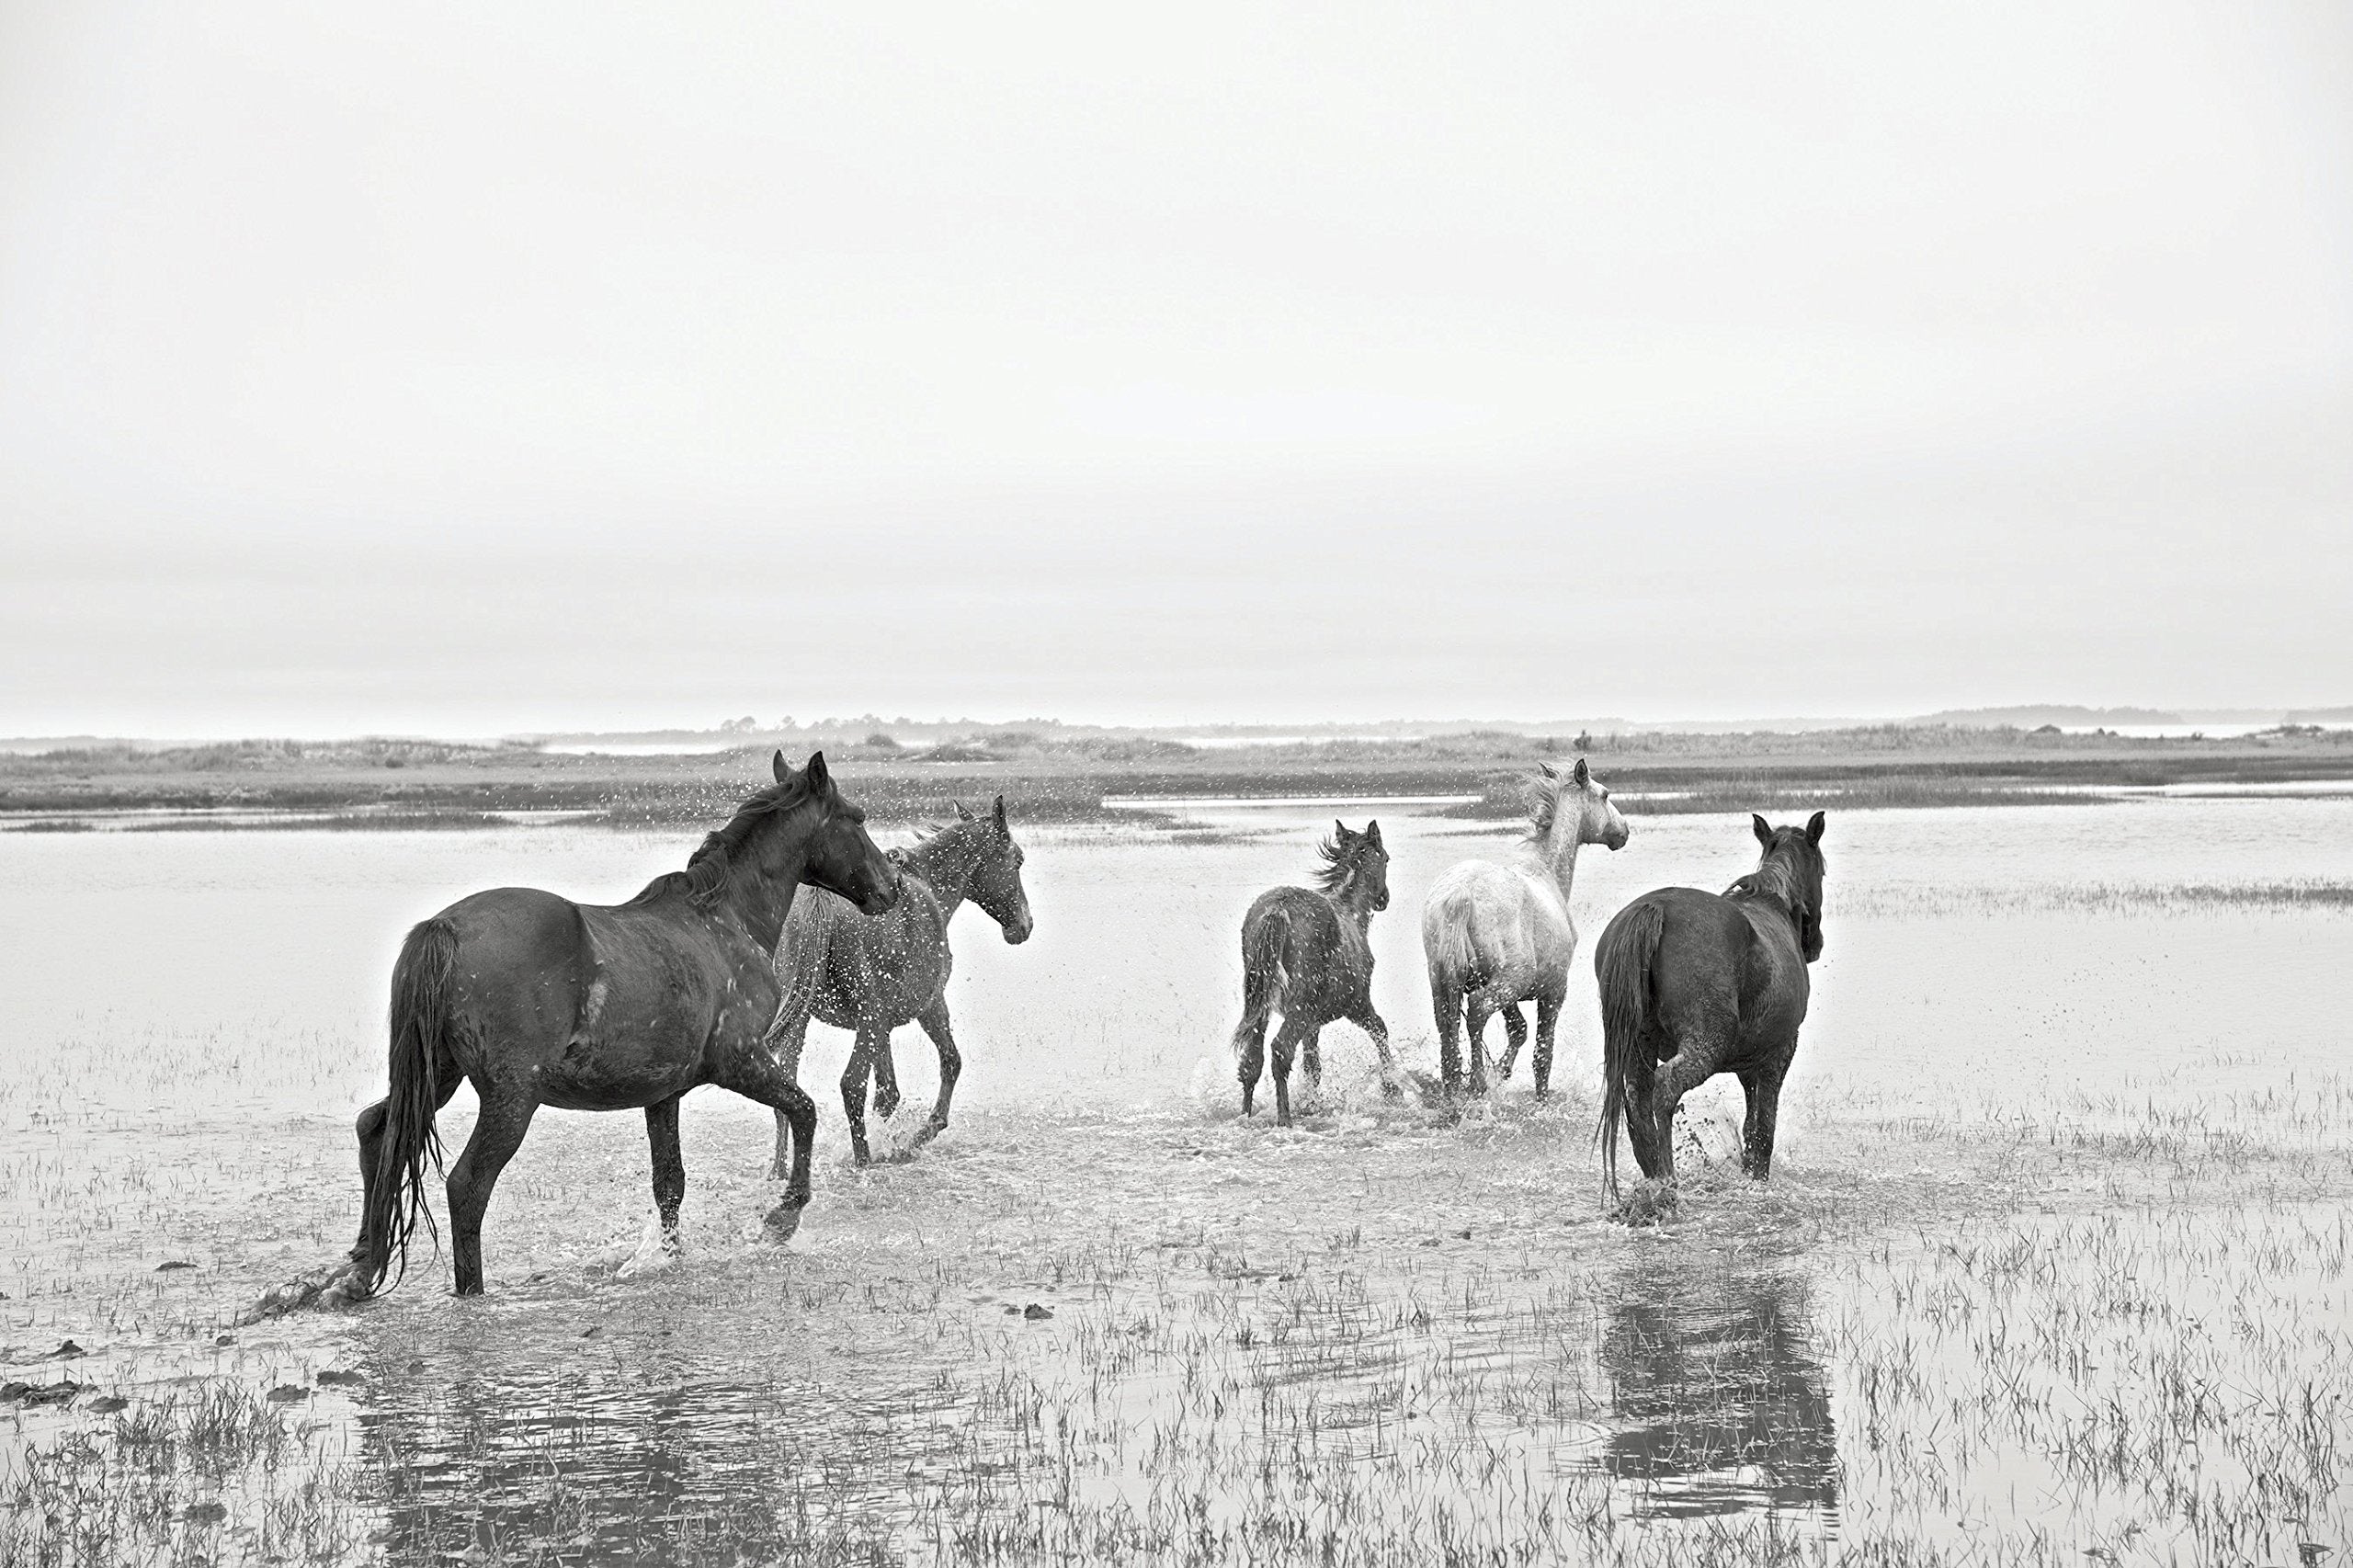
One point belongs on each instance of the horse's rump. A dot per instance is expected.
(1288, 939)
(1483, 923)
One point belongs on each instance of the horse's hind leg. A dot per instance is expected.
(669, 1166)
(446, 1079)
(1369, 1021)
(1287, 1043)
(1446, 1008)
(885, 1070)
(755, 1075)
(1250, 1043)
(784, 1040)
(499, 1126)
(1763, 1087)
(1548, 1017)
(1515, 1036)
(1475, 1009)
(854, 1076)
(1693, 1063)
(934, 1020)
(1640, 1090)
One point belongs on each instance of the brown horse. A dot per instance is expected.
(872, 973)
(540, 1001)
(1694, 984)
(1305, 954)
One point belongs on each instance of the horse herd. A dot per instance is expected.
(710, 975)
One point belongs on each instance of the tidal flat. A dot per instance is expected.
(2051, 1270)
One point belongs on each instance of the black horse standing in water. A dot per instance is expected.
(1694, 984)
(873, 974)
(542, 1001)
(1305, 955)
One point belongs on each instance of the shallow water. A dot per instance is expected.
(1384, 1323)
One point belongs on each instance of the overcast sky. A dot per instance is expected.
(500, 367)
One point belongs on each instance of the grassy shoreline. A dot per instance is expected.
(402, 784)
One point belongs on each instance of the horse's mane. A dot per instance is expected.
(1340, 862)
(1544, 792)
(932, 838)
(706, 868)
(1777, 876)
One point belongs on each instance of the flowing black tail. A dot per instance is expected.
(420, 1046)
(1621, 964)
(1262, 972)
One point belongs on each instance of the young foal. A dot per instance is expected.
(1305, 955)
(871, 974)
(1693, 985)
(1497, 935)
(542, 1001)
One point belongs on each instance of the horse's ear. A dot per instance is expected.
(1373, 833)
(1340, 834)
(1584, 775)
(1764, 829)
(819, 779)
(1814, 826)
(781, 768)
(1000, 815)
(1546, 770)
(963, 811)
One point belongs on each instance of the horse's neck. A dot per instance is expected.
(760, 901)
(1559, 854)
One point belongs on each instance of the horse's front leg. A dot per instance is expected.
(748, 1070)
(934, 1020)
(669, 1167)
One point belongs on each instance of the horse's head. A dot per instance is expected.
(1790, 869)
(1577, 792)
(840, 857)
(995, 882)
(1356, 866)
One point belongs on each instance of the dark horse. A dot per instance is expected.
(873, 973)
(542, 1001)
(1305, 955)
(1694, 984)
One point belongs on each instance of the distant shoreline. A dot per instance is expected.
(431, 785)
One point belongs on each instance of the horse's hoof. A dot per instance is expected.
(782, 1222)
(1647, 1203)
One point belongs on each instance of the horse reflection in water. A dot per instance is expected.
(1721, 1406)
(497, 1470)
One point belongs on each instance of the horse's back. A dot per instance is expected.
(1484, 922)
(1323, 961)
(504, 930)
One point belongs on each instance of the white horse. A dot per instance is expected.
(1498, 935)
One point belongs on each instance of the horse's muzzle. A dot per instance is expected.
(1017, 935)
(881, 898)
